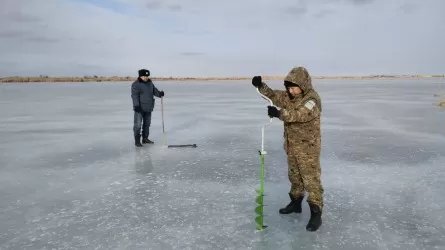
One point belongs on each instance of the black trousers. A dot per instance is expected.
(142, 121)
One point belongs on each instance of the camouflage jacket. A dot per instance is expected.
(301, 118)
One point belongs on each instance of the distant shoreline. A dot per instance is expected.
(132, 78)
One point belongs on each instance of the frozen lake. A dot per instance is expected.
(71, 177)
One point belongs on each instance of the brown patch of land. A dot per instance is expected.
(131, 78)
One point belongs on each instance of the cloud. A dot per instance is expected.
(362, 1)
(189, 38)
(296, 10)
(153, 5)
(409, 8)
(191, 54)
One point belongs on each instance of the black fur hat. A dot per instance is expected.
(144, 72)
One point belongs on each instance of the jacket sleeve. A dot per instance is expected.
(277, 96)
(156, 92)
(305, 113)
(135, 91)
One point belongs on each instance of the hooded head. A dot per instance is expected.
(298, 77)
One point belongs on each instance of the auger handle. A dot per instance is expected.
(265, 125)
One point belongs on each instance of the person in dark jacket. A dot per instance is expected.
(143, 91)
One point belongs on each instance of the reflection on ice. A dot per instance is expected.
(72, 179)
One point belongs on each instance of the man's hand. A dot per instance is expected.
(138, 109)
(162, 93)
(273, 112)
(257, 81)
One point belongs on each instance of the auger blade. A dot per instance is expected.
(259, 222)
(259, 210)
(259, 199)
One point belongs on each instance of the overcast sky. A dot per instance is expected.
(221, 38)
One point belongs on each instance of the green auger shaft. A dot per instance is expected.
(259, 210)
(262, 173)
(260, 198)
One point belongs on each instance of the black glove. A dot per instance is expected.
(138, 109)
(273, 111)
(257, 81)
(162, 93)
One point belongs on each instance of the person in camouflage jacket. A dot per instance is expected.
(300, 110)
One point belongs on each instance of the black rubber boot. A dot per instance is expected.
(293, 207)
(146, 140)
(315, 220)
(137, 141)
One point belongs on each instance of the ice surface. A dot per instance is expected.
(71, 177)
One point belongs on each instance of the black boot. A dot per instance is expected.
(137, 141)
(146, 140)
(315, 220)
(293, 207)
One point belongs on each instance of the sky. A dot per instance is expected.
(221, 38)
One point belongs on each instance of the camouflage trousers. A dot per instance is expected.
(305, 175)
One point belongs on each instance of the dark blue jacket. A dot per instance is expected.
(142, 94)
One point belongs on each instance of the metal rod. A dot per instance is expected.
(183, 146)
(163, 130)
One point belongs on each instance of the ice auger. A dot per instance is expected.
(163, 132)
(259, 211)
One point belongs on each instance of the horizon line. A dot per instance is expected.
(43, 78)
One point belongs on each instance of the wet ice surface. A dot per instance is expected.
(72, 179)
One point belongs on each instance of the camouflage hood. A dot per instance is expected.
(299, 76)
